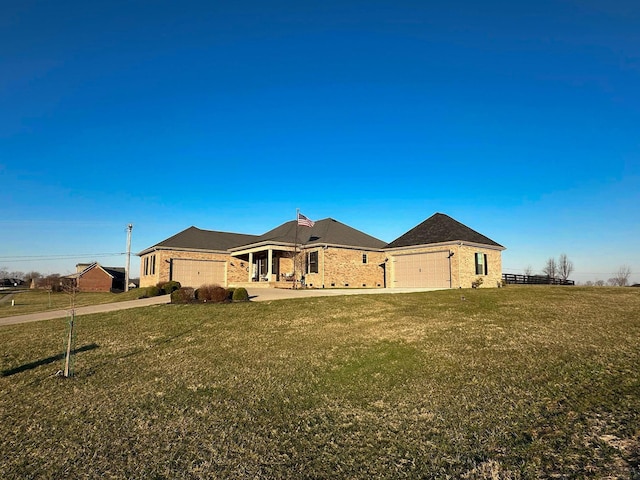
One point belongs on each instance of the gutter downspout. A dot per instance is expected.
(324, 249)
(459, 257)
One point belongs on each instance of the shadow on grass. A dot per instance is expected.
(46, 361)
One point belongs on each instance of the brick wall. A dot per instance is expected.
(340, 267)
(235, 272)
(95, 280)
(343, 267)
(466, 258)
(463, 271)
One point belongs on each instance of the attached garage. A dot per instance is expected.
(422, 270)
(195, 273)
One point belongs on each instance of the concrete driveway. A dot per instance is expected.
(256, 295)
(266, 294)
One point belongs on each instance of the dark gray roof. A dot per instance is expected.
(115, 272)
(440, 228)
(326, 231)
(197, 239)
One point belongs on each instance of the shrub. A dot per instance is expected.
(230, 291)
(152, 291)
(240, 295)
(170, 287)
(211, 293)
(183, 295)
(477, 282)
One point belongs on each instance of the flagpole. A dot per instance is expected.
(295, 251)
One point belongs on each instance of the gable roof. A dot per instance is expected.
(113, 272)
(325, 231)
(440, 228)
(194, 238)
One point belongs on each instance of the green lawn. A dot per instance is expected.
(538, 382)
(31, 301)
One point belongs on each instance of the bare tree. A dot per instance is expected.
(550, 268)
(70, 286)
(528, 271)
(588, 283)
(565, 266)
(599, 283)
(29, 276)
(621, 277)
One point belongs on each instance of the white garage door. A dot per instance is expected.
(425, 270)
(195, 273)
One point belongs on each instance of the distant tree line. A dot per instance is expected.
(41, 281)
(563, 267)
(619, 279)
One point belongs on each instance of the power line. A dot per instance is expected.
(27, 258)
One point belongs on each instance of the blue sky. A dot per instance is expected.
(519, 119)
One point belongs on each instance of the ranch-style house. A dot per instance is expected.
(438, 253)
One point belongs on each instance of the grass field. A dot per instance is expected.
(32, 301)
(538, 382)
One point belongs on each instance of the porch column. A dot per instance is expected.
(250, 266)
(269, 264)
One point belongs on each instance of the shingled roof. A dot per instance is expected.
(117, 273)
(440, 228)
(326, 231)
(194, 238)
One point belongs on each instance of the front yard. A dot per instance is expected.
(520, 382)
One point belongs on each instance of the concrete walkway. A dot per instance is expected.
(256, 295)
(100, 308)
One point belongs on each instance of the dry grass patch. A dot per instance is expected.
(32, 301)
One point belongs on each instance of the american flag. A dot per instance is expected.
(304, 221)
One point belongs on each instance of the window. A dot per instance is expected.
(150, 265)
(364, 258)
(481, 264)
(312, 262)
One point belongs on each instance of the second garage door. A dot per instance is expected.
(195, 273)
(422, 270)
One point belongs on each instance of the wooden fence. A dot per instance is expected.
(515, 279)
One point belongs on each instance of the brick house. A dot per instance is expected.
(444, 253)
(94, 277)
(329, 254)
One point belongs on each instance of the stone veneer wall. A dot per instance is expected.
(343, 267)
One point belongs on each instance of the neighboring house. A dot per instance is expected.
(438, 253)
(94, 277)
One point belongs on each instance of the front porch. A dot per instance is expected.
(268, 266)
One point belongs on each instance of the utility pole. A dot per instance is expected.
(126, 270)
